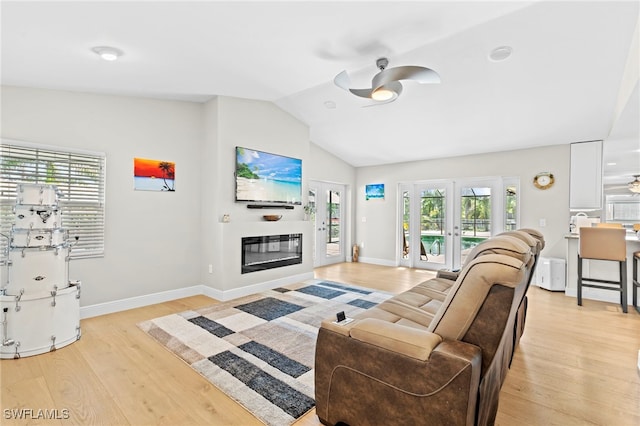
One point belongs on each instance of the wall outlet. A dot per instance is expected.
(210, 268)
(542, 222)
(364, 219)
(362, 244)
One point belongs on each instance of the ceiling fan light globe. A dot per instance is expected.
(382, 94)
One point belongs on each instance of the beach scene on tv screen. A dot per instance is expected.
(265, 177)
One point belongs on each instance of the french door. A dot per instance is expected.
(441, 221)
(328, 202)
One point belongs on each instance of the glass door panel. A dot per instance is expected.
(433, 239)
(510, 207)
(327, 215)
(433, 225)
(476, 218)
(334, 246)
(406, 224)
(311, 200)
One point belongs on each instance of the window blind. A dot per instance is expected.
(80, 178)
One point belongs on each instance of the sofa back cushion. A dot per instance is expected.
(534, 244)
(505, 244)
(479, 305)
(535, 234)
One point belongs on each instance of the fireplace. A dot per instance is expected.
(270, 251)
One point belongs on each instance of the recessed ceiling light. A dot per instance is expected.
(611, 164)
(107, 53)
(500, 53)
(330, 104)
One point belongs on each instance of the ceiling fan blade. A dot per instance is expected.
(342, 80)
(420, 74)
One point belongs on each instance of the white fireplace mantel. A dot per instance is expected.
(234, 283)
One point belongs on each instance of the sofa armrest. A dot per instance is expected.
(343, 329)
(398, 338)
(352, 377)
(448, 275)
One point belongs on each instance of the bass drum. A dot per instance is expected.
(23, 238)
(36, 270)
(37, 195)
(36, 217)
(34, 324)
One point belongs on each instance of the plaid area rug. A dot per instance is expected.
(260, 349)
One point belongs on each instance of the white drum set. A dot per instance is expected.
(39, 305)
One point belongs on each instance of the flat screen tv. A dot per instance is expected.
(262, 177)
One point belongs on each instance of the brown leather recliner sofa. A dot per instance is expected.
(436, 354)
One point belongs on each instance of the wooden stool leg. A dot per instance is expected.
(579, 281)
(623, 283)
(636, 285)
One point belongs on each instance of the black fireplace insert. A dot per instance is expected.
(270, 251)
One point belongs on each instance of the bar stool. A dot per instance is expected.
(603, 244)
(636, 284)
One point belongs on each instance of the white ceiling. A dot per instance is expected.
(562, 83)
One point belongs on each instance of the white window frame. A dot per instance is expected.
(82, 200)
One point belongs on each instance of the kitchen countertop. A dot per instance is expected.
(629, 237)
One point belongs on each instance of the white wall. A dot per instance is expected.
(263, 126)
(209, 199)
(152, 238)
(326, 167)
(379, 231)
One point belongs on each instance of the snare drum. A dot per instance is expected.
(22, 238)
(37, 217)
(38, 324)
(36, 270)
(37, 195)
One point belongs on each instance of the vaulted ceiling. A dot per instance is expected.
(564, 81)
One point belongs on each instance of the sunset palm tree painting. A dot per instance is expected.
(153, 175)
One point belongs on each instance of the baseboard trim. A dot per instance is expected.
(374, 261)
(139, 301)
(255, 288)
(196, 290)
(597, 294)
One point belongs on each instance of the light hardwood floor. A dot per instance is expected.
(574, 366)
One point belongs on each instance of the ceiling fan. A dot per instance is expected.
(634, 185)
(386, 86)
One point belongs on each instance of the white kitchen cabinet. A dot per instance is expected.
(585, 186)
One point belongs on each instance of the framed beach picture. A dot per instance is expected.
(264, 177)
(374, 191)
(153, 175)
